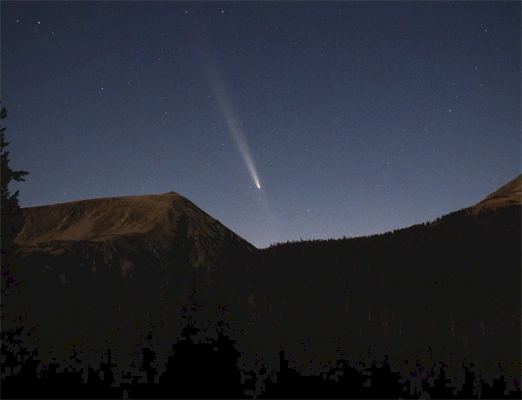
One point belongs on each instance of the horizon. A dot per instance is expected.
(280, 120)
(289, 240)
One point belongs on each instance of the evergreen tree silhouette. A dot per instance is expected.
(11, 224)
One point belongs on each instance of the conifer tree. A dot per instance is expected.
(11, 223)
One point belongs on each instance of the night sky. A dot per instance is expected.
(354, 118)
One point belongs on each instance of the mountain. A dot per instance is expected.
(103, 273)
(152, 221)
(152, 289)
(134, 249)
(509, 194)
(433, 300)
(126, 236)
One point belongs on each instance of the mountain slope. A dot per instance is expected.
(423, 299)
(108, 219)
(509, 194)
(105, 273)
(435, 294)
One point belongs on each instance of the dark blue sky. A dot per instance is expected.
(356, 118)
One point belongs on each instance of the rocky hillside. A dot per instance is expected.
(112, 270)
(153, 221)
(509, 194)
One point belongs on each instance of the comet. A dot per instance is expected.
(218, 88)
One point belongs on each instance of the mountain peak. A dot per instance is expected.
(153, 218)
(509, 194)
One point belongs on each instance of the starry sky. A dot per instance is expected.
(353, 118)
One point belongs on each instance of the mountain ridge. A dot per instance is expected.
(162, 207)
(99, 219)
(401, 293)
(508, 194)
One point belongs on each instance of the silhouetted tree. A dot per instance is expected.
(11, 223)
